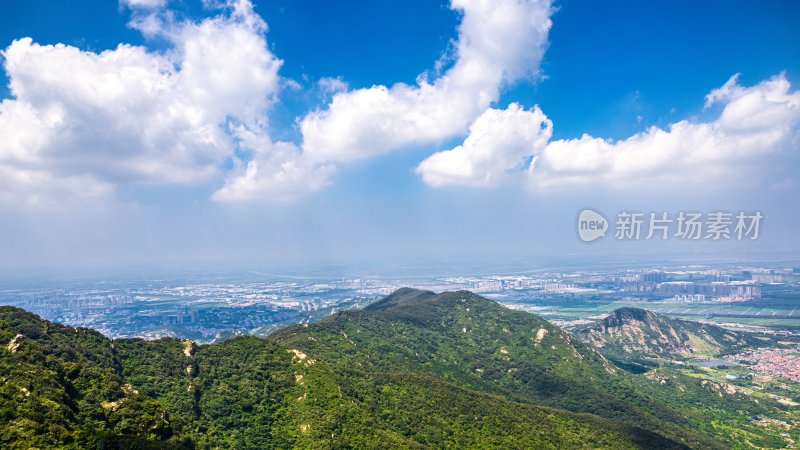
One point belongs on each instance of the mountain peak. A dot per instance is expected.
(637, 334)
(401, 297)
(628, 314)
(422, 306)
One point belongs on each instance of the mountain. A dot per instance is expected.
(632, 334)
(65, 387)
(470, 341)
(477, 344)
(413, 370)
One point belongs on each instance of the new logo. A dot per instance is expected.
(591, 225)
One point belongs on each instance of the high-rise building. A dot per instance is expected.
(654, 277)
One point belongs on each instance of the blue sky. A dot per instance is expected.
(390, 186)
(670, 53)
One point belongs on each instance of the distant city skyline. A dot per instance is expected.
(158, 133)
(206, 306)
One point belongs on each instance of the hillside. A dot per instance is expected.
(632, 334)
(65, 387)
(478, 344)
(470, 341)
(413, 370)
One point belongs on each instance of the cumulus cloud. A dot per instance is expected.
(277, 171)
(81, 123)
(499, 145)
(499, 41)
(755, 122)
(86, 121)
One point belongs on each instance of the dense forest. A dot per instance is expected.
(414, 370)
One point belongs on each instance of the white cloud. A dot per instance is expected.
(755, 123)
(80, 123)
(43, 189)
(130, 115)
(276, 172)
(143, 3)
(330, 85)
(498, 147)
(499, 41)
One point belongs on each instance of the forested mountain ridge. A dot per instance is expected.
(475, 343)
(65, 387)
(413, 370)
(633, 333)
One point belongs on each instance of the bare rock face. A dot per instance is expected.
(630, 333)
(14, 344)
